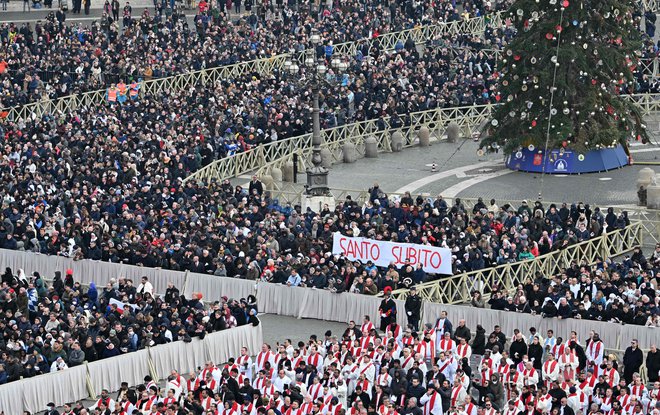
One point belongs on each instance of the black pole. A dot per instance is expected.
(295, 167)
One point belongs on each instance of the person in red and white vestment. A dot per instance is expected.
(634, 403)
(654, 395)
(429, 349)
(209, 368)
(447, 365)
(297, 359)
(625, 399)
(104, 399)
(368, 369)
(249, 407)
(595, 351)
(577, 400)
(315, 359)
(489, 409)
(317, 408)
(419, 347)
(146, 401)
(442, 326)
(470, 408)
(510, 408)
(458, 394)
(331, 355)
(568, 363)
(431, 402)
(407, 359)
(117, 410)
(586, 382)
(407, 340)
(315, 390)
(558, 348)
(231, 408)
(485, 374)
(350, 373)
(550, 370)
(504, 366)
(462, 379)
(365, 384)
(384, 379)
(268, 389)
(126, 406)
(276, 401)
(265, 355)
(177, 382)
(294, 409)
(638, 409)
(211, 383)
(381, 401)
(529, 376)
(612, 375)
(343, 353)
(446, 343)
(367, 325)
(307, 405)
(394, 331)
(260, 381)
(487, 360)
(543, 400)
(231, 364)
(244, 363)
(637, 387)
(170, 398)
(367, 340)
(605, 403)
(463, 350)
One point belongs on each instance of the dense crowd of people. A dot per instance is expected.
(47, 328)
(121, 198)
(442, 368)
(623, 292)
(55, 58)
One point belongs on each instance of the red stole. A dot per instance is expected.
(431, 403)
(462, 349)
(454, 394)
(262, 358)
(444, 365)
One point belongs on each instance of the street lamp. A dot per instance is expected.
(315, 69)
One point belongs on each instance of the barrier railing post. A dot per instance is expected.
(185, 281)
(88, 381)
(152, 366)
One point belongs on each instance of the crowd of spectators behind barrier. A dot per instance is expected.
(55, 58)
(625, 292)
(49, 327)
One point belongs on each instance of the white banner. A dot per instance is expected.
(382, 253)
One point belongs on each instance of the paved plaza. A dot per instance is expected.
(464, 174)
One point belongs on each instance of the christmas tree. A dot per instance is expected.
(563, 75)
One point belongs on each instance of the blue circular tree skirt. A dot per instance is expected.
(567, 161)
